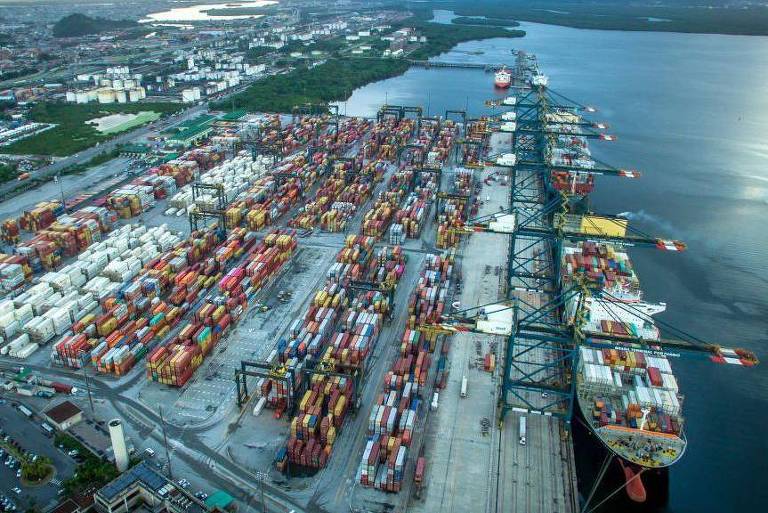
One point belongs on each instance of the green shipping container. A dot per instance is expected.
(157, 319)
(204, 335)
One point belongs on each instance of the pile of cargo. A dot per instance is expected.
(343, 186)
(14, 271)
(10, 231)
(115, 339)
(454, 211)
(477, 130)
(46, 310)
(393, 417)
(175, 362)
(131, 200)
(313, 430)
(440, 150)
(182, 171)
(65, 236)
(625, 383)
(397, 408)
(427, 303)
(409, 219)
(387, 137)
(41, 216)
(377, 219)
(602, 265)
(162, 186)
(230, 178)
(324, 405)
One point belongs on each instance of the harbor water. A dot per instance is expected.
(691, 113)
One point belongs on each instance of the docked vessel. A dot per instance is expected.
(503, 78)
(569, 155)
(627, 399)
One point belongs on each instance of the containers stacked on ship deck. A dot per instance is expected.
(606, 266)
(175, 362)
(397, 408)
(624, 383)
(570, 151)
(454, 212)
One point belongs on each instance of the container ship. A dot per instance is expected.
(502, 78)
(627, 399)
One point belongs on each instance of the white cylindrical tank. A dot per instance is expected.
(117, 436)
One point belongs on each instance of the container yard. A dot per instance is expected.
(361, 309)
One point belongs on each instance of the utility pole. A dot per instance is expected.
(261, 476)
(57, 177)
(165, 442)
(88, 389)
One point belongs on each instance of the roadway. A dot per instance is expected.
(107, 146)
(30, 436)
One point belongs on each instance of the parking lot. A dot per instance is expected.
(30, 436)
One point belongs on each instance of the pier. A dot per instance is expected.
(456, 65)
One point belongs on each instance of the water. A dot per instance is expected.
(691, 112)
(197, 12)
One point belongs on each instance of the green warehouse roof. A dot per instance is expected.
(219, 499)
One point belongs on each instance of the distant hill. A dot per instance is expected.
(78, 24)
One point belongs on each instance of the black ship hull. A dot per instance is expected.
(590, 453)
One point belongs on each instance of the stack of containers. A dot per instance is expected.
(131, 200)
(427, 303)
(338, 186)
(232, 177)
(9, 231)
(175, 362)
(313, 430)
(352, 260)
(603, 265)
(14, 271)
(181, 171)
(624, 382)
(454, 211)
(41, 216)
(397, 408)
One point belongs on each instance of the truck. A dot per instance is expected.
(464, 386)
(522, 430)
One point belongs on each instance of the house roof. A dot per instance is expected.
(62, 412)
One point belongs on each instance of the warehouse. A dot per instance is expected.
(64, 415)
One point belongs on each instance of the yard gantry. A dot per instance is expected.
(204, 213)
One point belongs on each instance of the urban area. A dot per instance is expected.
(218, 291)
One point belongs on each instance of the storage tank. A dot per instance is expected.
(119, 447)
